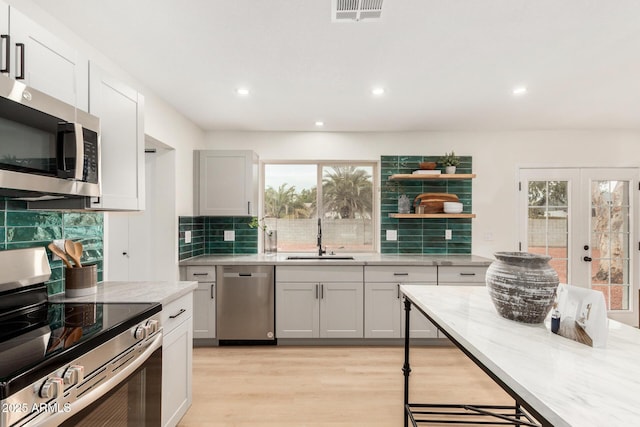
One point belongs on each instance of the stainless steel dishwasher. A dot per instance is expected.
(245, 310)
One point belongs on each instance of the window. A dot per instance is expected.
(340, 194)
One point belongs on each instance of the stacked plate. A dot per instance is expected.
(452, 207)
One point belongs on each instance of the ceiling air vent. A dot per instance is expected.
(356, 10)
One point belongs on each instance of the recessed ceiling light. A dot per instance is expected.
(520, 90)
(242, 91)
(319, 123)
(377, 91)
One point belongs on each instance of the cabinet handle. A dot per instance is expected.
(200, 274)
(249, 207)
(213, 291)
(400, 274)
(6, 46)
(182, 310)
(467, 274)
(21, 75)
(321, 291)
(317, 291)
(398, 290)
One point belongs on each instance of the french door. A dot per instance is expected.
(586, 219)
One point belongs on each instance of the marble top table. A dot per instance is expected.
(565, 382)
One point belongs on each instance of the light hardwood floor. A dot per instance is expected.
(327, 386)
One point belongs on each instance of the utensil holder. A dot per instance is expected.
(80, 281)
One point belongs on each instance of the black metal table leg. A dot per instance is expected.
(473, 414)
(406, 368)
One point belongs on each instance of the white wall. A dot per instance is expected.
(496, 157)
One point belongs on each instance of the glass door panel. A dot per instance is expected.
(547, 223)
(610, 237)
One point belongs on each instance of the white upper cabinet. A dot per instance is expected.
(42, 61)
(4, 34)
(227, 182)
(120, 109)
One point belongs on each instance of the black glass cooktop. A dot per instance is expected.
(44, 336)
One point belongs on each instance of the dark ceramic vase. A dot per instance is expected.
(522, 286)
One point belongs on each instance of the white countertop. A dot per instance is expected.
(162, 292)
(359, 259)
(568, 383)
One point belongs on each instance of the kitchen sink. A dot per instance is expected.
(323, 257)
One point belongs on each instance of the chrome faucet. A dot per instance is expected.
(320, 250)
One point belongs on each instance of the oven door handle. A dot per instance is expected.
(57, 417)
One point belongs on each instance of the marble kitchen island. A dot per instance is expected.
(559, 381)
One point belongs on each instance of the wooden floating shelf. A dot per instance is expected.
(416, 176)
(438, 215)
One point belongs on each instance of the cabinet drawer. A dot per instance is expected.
(461, 274)
(205, 273)
(176, 312)
(319, 273)
(401, 274)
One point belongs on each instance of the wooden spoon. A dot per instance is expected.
(79, 249)
(60, 253)
(71, 249)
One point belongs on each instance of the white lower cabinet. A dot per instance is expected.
(297, 310)
(204, 308)
(341, 310)
(204, 300)
(177, 357)
(319, 302)
(384, 308)
(450, 275)
(460, 275)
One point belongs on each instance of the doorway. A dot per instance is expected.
(586, 219)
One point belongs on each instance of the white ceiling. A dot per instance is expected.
(445, 64)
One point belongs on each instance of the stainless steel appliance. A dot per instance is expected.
(48, 148)
(73, 363)
(245, 310)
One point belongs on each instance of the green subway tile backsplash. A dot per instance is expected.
(423, 236)
(22, 228)
(207, 236)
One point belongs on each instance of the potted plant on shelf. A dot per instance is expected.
(450, 161)
(270, 236)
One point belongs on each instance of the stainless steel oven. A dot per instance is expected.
(134, 400)
(74, 363)
(49, 148)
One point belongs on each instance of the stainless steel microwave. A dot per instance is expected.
(48, 149)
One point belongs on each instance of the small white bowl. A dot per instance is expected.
(452, 207)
